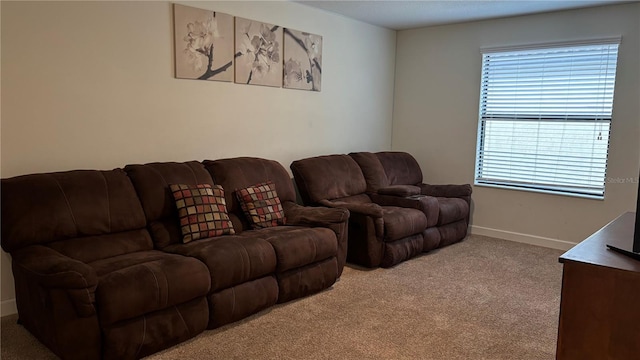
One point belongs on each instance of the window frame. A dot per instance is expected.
(572, 191)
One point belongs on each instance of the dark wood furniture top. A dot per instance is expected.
(594, 251)
(600, 304)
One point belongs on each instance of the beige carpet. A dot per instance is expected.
(480, 299)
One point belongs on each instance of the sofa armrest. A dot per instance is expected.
(50, 269)
(313, 216)
(461, 191)
(369, 209)
(399, 190)
(53, 270)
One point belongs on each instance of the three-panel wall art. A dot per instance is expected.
(211, 45)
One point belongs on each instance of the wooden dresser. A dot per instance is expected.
(600, 305)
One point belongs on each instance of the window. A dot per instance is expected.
(545, 115)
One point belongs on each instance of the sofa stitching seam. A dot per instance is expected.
(315, 248)
(106, 186)
(157, 282)
(66, 199)
(233, 308)
(195, 177)
(248, 260)
(86, 289)
(182, 318)
(160, 175)
(144, 334)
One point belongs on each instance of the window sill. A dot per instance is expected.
(543, 191)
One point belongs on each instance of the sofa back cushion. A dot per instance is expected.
(401, 168)
(86, 205)
(151, 182)
(372, 170)
(241, 172)
(328, 177)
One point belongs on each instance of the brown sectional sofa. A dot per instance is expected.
(100, 271)
(394, 215)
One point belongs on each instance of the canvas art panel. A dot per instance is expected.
(302, 60)
(203, 44)
(258, 53)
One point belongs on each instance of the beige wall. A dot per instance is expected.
(90, 85)
(436, 117)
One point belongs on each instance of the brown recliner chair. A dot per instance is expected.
(395, 178)
(378, 235)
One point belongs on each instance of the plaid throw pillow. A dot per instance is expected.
(261, 205)
(202, 211)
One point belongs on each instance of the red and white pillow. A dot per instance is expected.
(202, 211)
(261, 205)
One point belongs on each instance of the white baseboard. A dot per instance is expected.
(523, 238)
(8, 307)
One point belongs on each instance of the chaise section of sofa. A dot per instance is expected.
(89, 284)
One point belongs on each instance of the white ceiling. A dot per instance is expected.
(399, 15)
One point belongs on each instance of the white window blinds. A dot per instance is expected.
(545, 116)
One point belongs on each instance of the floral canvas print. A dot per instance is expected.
(258, 53)
(203, 44)
(302, 60)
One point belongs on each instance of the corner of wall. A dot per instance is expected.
(393, 93)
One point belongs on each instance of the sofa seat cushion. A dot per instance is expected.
(113, 263)
(297, 246)
(452, 210)
(402, 222)
(231, 259)
(139, 283)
